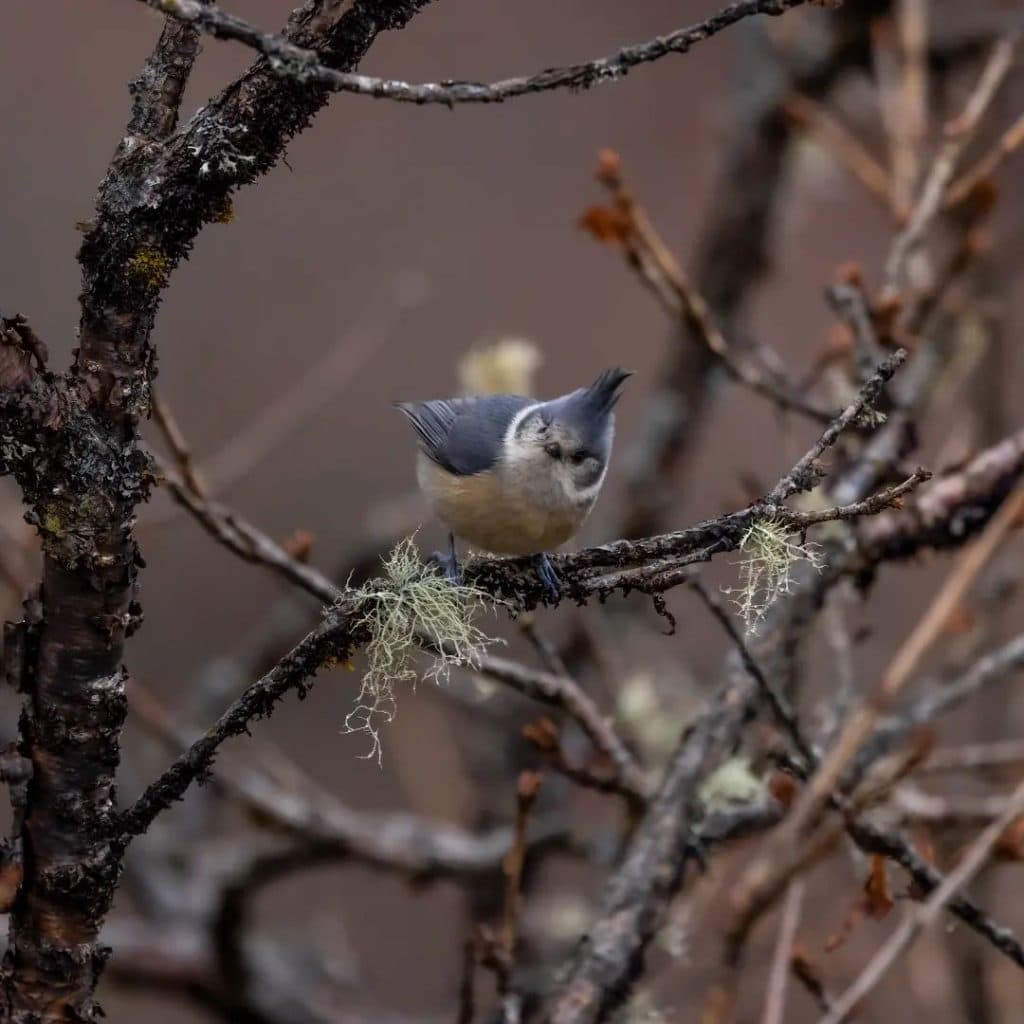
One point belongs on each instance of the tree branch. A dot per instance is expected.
(972, 861)
(302, 65)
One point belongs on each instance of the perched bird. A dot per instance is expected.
(511, 475)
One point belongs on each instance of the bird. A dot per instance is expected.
(511, 475)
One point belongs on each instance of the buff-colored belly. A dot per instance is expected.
(479, 511)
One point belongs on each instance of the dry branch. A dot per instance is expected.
(304, 66)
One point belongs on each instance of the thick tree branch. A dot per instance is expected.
(84, 483)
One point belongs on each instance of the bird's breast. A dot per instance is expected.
(503, 513)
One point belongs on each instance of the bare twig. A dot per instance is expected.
(912, 110)
(971, 756)
(861, 721)
(806, 973)
(804, 475)
(958, 134)
(926, 879)
(813, 117)
(294, 62)
(971, 862)
(169, 427)
(628, 225)
(332, 639)
(733, 251)
(1009, 142)
(938, 514)
(775, 997)
(565, 693)
(400, 842)
(785, 717)
(847, 298)
(940, 698)
(248, 542)
(526, 796)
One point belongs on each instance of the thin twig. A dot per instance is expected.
(247, 541)
(294, 62)
(565, 693)
(784, 715)
(941, 698)
(804, 475)
(926, 879)
(401, 842)
(332, 639)
(1009, 142)
(775, 997)
(924, 915)
(815, 119)
(958, 133)
(862, 720)
(850, 303)
(971, 756)
(912, 110)
(526, 796)
(806, 973)
(467, 998)
(168, 424)
(659, 270)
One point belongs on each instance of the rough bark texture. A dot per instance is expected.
(83, 474)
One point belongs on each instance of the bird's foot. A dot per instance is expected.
(449, 566)
(548, 576)
(449, 563)
(697, 850)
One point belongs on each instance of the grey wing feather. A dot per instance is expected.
(463, 435)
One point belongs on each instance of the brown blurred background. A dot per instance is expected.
(399, 237)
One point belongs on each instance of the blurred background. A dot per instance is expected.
(394, 241)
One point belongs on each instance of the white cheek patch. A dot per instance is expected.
(584, 495)
(514, 450)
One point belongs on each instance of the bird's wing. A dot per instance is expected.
(463, 435)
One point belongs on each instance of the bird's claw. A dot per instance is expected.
(549, 577)
(449, 563)
(696, 849)
(449, 566)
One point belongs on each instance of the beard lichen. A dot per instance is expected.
(770, 551)
(412, 612)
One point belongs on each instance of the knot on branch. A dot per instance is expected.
(82, 486)
(29, 399)
(81, 481)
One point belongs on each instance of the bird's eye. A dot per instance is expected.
(553, 450)
(577, 458)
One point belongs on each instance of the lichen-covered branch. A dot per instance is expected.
(72, 443)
